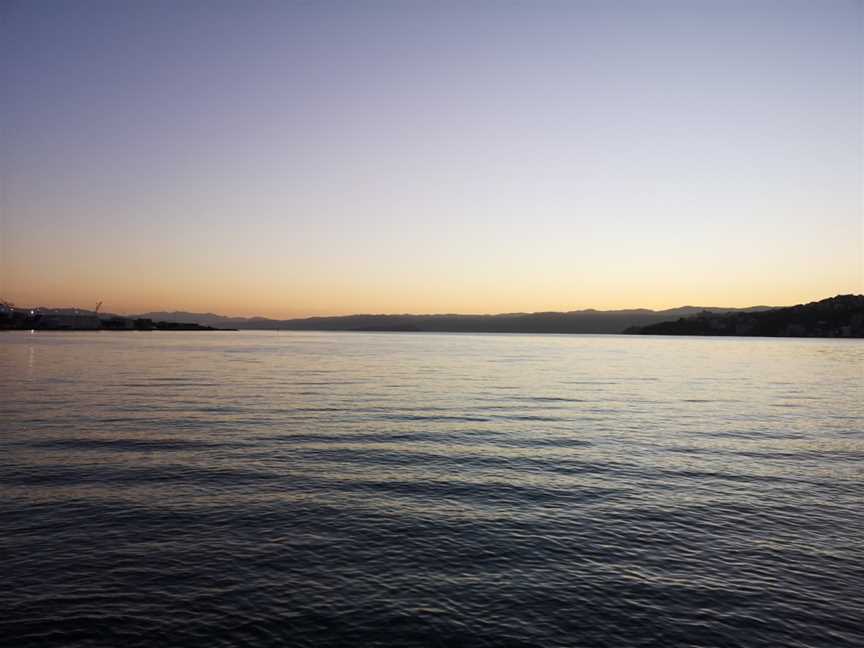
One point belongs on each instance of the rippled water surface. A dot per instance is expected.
(321, 489)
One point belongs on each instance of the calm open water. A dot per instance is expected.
(318, 489)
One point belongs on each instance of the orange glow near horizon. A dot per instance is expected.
(287, 299)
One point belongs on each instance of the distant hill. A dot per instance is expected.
(205, 319)
(840, 316)
(583, 321)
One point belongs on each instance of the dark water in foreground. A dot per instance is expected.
(262, 489)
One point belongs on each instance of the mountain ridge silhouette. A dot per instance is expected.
(576, 321)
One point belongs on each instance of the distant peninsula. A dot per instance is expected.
(581, 321)
(840, 316)
(73, 319)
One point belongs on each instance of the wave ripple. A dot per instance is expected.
(417, 490)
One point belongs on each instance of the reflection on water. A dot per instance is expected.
(430, 489)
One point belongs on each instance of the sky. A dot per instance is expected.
(299, 158)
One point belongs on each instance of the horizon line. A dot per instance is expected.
(419, 314)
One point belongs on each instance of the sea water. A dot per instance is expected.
(411, 489)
